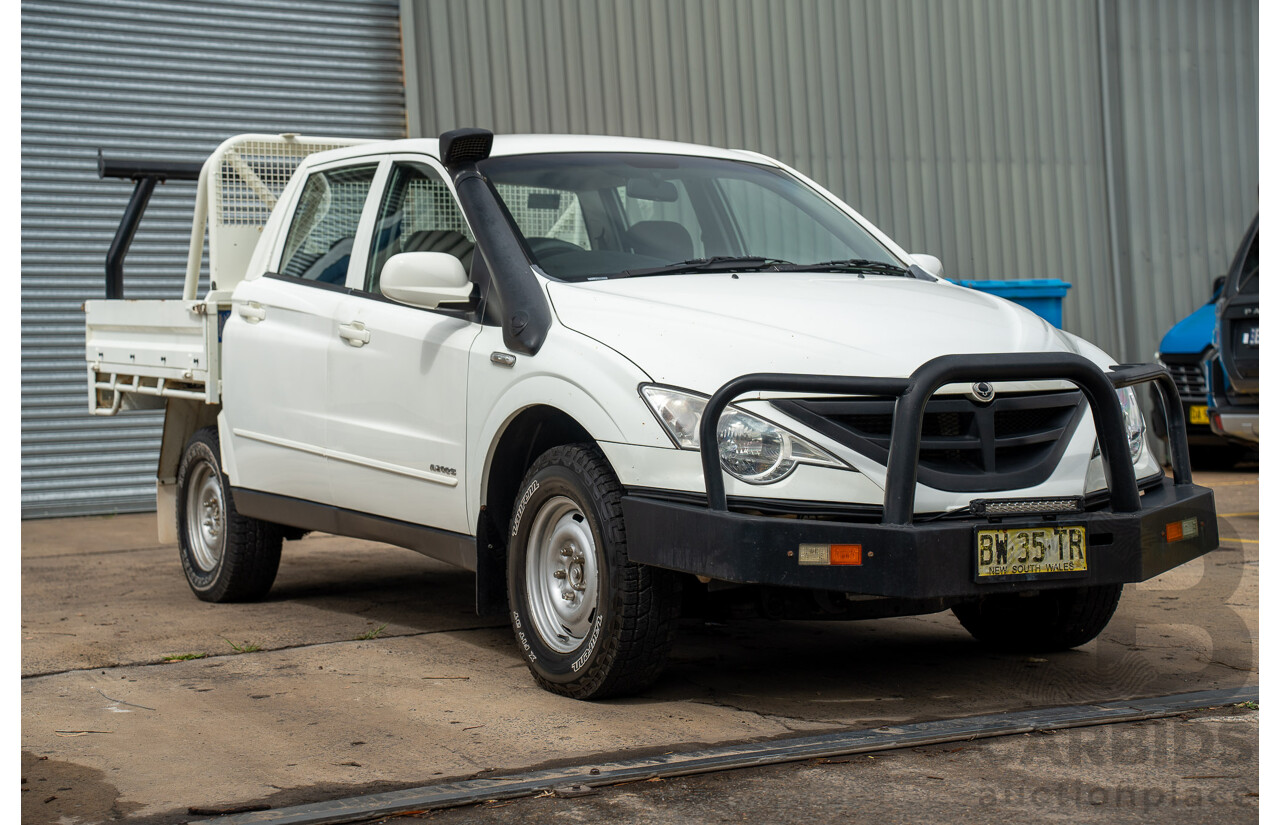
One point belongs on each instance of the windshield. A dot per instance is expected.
(602, 215)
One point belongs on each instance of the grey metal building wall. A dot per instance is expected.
(161, 79)
(1184, 97)
(1110, 144)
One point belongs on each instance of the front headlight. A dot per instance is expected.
(751, 449)
(1134, 424)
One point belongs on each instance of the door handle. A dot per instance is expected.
(252, 312)
(354, 333)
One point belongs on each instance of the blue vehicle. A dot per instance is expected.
(1187, 351)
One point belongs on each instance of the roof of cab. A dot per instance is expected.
(542, 144)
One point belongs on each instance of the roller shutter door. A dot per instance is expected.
(170, 81)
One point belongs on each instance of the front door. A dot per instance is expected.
(397, 375)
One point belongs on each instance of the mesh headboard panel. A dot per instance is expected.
(247, 173)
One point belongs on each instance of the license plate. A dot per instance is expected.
(1030, 551)
(1198, 413)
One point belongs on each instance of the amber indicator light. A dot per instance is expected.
(846, 554)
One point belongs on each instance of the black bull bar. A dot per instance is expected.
(933, 559)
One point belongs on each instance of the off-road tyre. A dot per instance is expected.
(227, 557)
(568, 499)
(1049, 621)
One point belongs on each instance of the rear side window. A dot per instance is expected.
(418, 214)
(323, 232)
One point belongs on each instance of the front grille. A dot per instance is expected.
(1011, 443)
(1188, 375)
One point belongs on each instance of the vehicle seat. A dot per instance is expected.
(667, 240)
(331, 267)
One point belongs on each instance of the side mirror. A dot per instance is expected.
(425, 279)
(1218, 283)
(929, 264)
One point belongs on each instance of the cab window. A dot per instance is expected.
(318, 246)
(418, 214)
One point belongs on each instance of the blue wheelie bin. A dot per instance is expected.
(1043, 296)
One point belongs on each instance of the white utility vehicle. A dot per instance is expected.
(603, 371)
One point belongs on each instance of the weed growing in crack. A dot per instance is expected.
(372, 634)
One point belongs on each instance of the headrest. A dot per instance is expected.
(667, 240)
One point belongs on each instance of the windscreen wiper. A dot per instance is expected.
(848, 265)
(718, 263)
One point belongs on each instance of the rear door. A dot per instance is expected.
(277, 340)
(397, 375)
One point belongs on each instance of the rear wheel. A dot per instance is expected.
(227, 557)
(1044, 622)
(589, 622)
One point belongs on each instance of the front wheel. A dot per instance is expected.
(589, 622)
(1047, 621)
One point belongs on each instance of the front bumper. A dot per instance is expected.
(918, 561)
(1126, 539)
(1235, 421)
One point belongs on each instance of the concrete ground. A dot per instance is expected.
(366, 669)
(1190, 770)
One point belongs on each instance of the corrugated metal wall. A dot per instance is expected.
(977, 131)
(165, 80)
(1185, 81)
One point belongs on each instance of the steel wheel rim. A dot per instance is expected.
(206, 517)
(561, 575)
